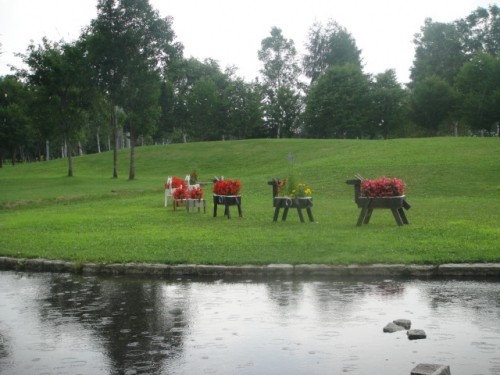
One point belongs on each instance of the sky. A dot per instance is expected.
(231, 31)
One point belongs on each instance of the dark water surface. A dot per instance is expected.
(68, 324)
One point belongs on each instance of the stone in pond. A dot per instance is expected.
(405, 323)
(416, 334)
(391, 327)
(429, 369)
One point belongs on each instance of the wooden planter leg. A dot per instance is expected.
(215, 209)
(309, 213)
(395, 213)
(368, 216)
(299, 211)
(276, 213)
(227, 212)
(285, 213)
(239, 210)
(362, 215)
(403, 215)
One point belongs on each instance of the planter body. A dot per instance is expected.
(292, 202)
(227, 201)
(195, 203)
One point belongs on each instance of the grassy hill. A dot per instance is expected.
(453, 187)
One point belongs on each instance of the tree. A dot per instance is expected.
(328, 46)
(480, 31)
(479, 84)
(142, 109)
(14, 117)
(338, 105)
(432, 101)
(388, 99)
(280, 81)
(244, 112)
(438, 52)
(57, 74)
(127, 39)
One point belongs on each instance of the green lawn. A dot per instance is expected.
(453, 187)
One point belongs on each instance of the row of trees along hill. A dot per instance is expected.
(125, 82)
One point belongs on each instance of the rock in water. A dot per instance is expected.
(405, 323)
(428, 369)
(416, 334)
(391, 327)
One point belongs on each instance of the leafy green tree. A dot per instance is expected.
(479, 84)
(282, 100)
(438, 52)
(57, 74)
(203, 106)
(328, 46)
(142, 109)
(127, 39)
(432, 101)
(244, 112)
(338, 105)
(167, 105)
(388, 98)
(14, 117)
(196, 86)
(480, 31)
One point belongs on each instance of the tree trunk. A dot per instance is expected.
(47, 150)
(98, 141)
(131, 175)
(115, 141)
(70, 159)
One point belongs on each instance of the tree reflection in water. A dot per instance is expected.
(121, 325)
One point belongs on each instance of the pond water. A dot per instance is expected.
(70, 324)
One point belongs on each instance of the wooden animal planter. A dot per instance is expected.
(286, 203)
(397, 205)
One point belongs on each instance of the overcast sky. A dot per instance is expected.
(230, 31)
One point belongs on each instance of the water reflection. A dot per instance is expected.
(67, 324)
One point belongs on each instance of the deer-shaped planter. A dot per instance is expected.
(290, 202)
(397, 205)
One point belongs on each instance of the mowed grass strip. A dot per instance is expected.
(453, 187)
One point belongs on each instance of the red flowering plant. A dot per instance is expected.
(227, 187)
(196, 193)
(181, 192)
(175, 183)
(382, 187)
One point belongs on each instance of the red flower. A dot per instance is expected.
(227, 187)
(176, 182)
(383, 187)
(196, 193)
(180, 192)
